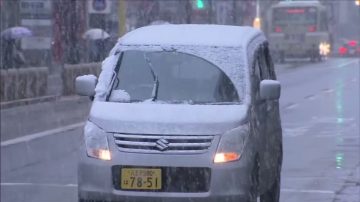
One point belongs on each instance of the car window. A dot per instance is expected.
(256, 76)
(269, 63)
(263, 63)
(181, 77)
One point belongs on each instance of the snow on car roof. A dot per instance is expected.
(191, 34)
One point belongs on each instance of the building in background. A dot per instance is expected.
(37, 16)
(58, 25)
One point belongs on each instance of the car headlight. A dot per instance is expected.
(96, 142)
(232, 144)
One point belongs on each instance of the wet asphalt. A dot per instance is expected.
(320, 119)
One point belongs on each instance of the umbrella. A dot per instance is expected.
(16, 33)
(95, 34)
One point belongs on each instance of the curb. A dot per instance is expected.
(28, 101)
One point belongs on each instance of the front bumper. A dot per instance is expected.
(228, 182)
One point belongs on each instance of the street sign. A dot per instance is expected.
(37, 16)
(35, 9)
(99, 6)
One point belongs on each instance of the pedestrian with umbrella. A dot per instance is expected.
(96, 41)
(13, 55)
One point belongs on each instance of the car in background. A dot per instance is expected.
(299, 29)
(350, 48)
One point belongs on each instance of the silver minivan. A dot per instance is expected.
(183, 113)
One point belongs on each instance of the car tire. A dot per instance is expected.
(273, 193)
(254, 180)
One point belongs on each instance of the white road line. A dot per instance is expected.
(313, 191)
(35, 184)
(328, 90)
(41, 134)
(337, 135)
(291, 106)
(346, 64)
(310, 97)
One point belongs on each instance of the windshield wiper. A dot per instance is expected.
(155, 90)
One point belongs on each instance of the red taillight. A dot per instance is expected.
(312, 28)
(352, 43)
(342, 50)
(278, 29)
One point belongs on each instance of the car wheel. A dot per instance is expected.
(273, 193)
(254, 180)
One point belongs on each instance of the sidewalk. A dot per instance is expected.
(33, 118)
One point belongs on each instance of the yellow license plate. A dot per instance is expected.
(141, 178)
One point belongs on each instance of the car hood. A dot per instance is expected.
(169, 119)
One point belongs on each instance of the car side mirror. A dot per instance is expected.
(85, 85)
(270, 89)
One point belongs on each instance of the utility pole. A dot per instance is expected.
(234, 9)
(188, 10)
(122, 17)
(257, 20)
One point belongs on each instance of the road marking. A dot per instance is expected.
(328, 90)
(34, 184)
(309, 97)
(291, 106)
(314, 191)
(346, 64)
(294, 132)
(41, 134)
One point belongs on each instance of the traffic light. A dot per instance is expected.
(200, 4)
(257, 23)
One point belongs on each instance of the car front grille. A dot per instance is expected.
(163, 143)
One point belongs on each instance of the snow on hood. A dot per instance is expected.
(169, 119)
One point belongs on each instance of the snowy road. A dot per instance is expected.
(320, 117)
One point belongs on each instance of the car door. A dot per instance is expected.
(258, 119)
(271, 120)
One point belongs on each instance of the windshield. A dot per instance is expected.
(294, 16)
(173, 77)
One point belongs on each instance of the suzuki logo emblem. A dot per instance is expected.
(162, 144)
